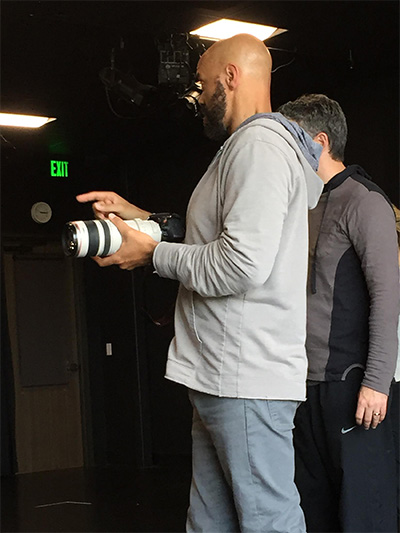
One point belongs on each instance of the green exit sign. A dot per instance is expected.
(59, 169)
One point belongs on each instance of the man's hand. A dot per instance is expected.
(371, 407)
(136, 250)
(106, 202)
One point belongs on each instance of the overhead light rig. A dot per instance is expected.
(178, 55)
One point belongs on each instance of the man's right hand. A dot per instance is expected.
(106, 202)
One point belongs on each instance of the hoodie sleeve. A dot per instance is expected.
(373, 232)
(255, 189)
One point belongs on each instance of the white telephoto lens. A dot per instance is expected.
(150, 227)
(83, 238)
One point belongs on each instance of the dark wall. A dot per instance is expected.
(368, 92)
(136, 417)
(161, 170)
(155, 160)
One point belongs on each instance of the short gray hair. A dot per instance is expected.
(317, 113)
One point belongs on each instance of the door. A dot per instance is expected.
(43, 336)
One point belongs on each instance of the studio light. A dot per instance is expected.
(225, 28)
(23, 121)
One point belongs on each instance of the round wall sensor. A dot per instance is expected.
(41, 212)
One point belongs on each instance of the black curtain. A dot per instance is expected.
(8, 451)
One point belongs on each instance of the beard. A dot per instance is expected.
(213, 115)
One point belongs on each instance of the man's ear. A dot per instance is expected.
(232, 75)
(322, 139)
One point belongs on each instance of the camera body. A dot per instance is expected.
(90, 238)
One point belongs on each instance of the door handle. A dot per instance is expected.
(72, 367)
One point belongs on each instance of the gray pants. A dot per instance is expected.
(243, 467)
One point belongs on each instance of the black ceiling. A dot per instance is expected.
(52, 52)
(51, 55)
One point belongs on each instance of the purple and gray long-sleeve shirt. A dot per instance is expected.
(353, 285)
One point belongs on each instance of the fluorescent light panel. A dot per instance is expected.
(23, 121)
(225, 28)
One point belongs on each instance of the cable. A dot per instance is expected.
(7, 142)
(111, 107)
(281, 66)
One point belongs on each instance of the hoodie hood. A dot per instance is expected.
(307, 150)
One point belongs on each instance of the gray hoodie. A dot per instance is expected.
(240, 318)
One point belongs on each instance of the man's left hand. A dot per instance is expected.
(136, 249)
(371, 407)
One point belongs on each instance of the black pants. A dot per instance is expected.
(345, 474)
(395, 419)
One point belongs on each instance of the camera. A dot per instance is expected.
(90, 238)
(191, 97)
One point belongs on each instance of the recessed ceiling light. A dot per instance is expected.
(23, 121)
(225, 28)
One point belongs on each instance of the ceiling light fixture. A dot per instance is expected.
(23, 121)
(225, 28)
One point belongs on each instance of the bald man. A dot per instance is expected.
(240, 312)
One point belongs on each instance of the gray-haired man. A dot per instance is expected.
(345, 474)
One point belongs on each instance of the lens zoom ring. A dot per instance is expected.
(107, 238)
(94, 239)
